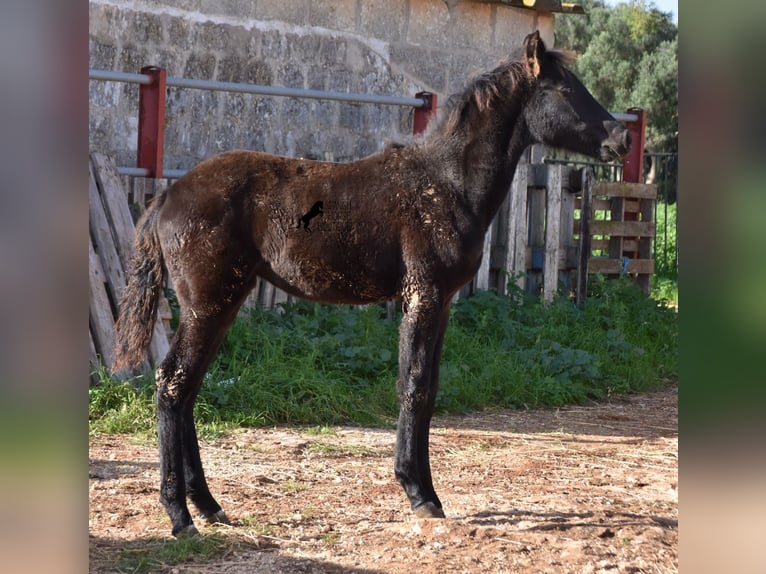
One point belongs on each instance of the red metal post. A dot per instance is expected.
(633, 164)
(423, 115)
(151, 121)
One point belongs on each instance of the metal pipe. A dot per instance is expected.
(261, 90)
(125, 77)
(623, 117)
(133, 171)
(143, 172)
(295, 92)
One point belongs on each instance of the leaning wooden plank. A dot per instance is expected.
(103, 243)
(552, 231)
(615, 266)
(115, 205)
(623, 228)
(625, 189)
(101, 319)
(94, 362)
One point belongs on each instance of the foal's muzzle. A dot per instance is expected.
(617, 142)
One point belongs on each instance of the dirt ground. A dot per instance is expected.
(580, 489)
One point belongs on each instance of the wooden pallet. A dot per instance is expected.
(616, 235)
(109, 251)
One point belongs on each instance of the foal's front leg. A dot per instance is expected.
(421, 332)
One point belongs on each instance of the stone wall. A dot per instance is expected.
(390, 47)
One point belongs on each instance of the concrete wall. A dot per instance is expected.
(392, 47)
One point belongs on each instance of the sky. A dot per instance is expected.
(662, 5)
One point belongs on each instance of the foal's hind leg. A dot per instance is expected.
(179, 379)
(194, 477)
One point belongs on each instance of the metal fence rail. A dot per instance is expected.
(153, 82)
(257, 89)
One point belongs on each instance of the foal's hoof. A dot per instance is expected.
(217, 518)
(428, 510)
(187, 532)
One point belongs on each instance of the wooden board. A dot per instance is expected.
(100, 316)
(103, 244)
(115, 203)
(482, 275)
(110, 249)
(517, 224)
(552, 237)
(623, 228)
(614, 266)
(585, 236)
(624, 189)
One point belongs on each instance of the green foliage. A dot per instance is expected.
(628, 57)
(321, 365)
(121, 406)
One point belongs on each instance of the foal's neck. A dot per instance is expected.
(490, 157)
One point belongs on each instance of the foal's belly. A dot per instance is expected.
(336, 273)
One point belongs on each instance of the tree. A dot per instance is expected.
(628, 57)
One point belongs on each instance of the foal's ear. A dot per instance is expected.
(534, 48)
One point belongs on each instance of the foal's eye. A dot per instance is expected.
(564, 91)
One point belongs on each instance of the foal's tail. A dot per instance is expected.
(138, 309)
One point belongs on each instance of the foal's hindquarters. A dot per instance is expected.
(210, 269)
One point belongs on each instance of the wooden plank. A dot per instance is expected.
(102, 242)
(100, 316)
(644, 248)
(267, 295)
(93, 361)
(614, 266)
(482, 275)
(632, 205)
(280, 296)
(552, 233)
(499, 253)
(567, 242)
(624, 189)
(616, 214)
(566, 255)
(623, 228)
(585, 247)
(111, 226)
(115, 206)
(517, 225)
(536, 234)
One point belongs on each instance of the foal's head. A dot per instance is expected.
(562, 113)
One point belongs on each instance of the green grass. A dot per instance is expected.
(321, 366)
(162, 554)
